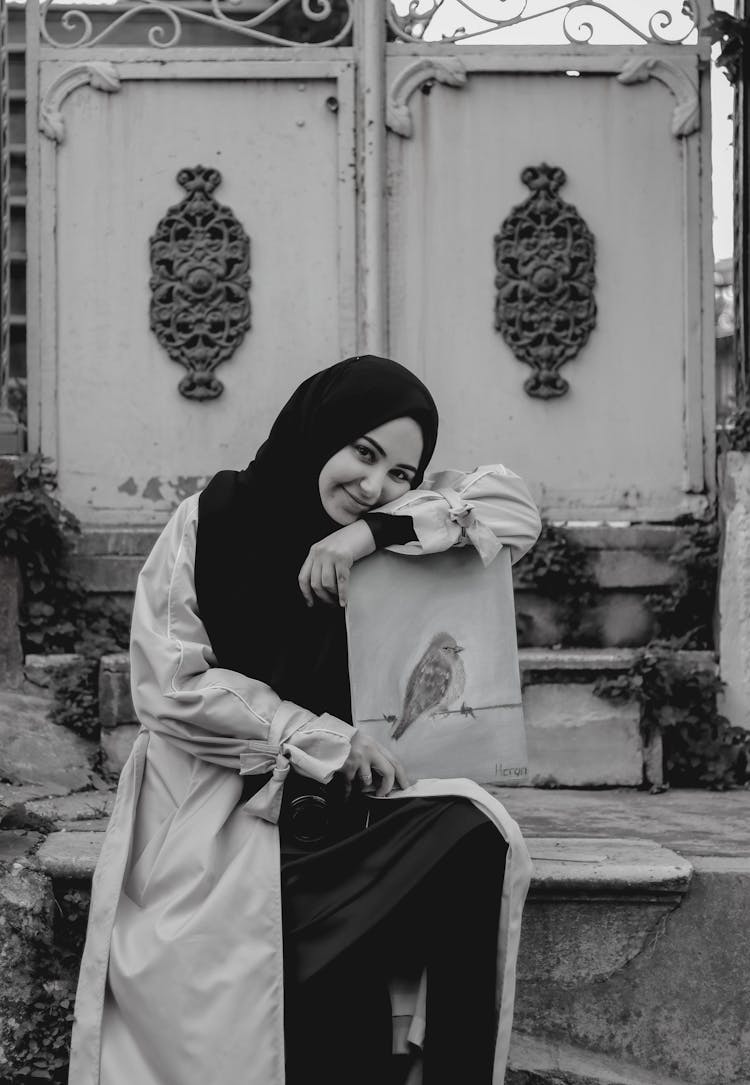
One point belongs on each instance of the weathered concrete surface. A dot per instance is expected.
(576, 739)
(35, 751)
(605, 868)
(11, 656)
(642, 989)
(617, 618)
(12, 794)
(679, 1004)
(690, 822)
(78, 807)
(69, 854)
(734, 587)
(537, 1062)
(585, 662)
(41, 671)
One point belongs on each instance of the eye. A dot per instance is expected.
(364, 451)
(399, 475)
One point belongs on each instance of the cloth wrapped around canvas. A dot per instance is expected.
(434, 664)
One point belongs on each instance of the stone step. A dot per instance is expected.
(575, 739)
(631, 970)
(628, 563)
(536, 1062)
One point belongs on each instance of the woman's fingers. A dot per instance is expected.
(304, 580)
(342, 584)
(325, 572)
(387, 774)
(368, 758)
(401, 777)
(323, 580)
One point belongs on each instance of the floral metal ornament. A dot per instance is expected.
(579, 22)
(162, 22)
(544, 256)
(200, 305)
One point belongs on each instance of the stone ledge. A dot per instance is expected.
(69, 855)
(587, 660)
(42, 670)
(607, 868)
(625, 556)
(538, 1062)
(587, 868)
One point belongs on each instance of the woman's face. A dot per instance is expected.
(374, 469)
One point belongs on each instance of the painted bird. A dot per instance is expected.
(435, 683)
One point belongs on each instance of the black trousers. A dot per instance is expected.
(420, 887)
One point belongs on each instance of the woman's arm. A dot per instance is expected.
(215, 714)
(488, 507)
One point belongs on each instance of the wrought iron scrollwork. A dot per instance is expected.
(544, 256)
(200, 305)
(664, 27)
(283, 22)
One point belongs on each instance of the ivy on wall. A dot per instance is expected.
(701, 748)
(559, 568)
(36, 1046)
(57, 613)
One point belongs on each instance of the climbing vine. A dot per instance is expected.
(559, 568)
(701, 748)
(735, 434)
(36, 1047)
(685, 611)
(57, 613)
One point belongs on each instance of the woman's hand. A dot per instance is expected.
(326, 570)
(367, 758)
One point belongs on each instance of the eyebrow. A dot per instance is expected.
(374, 443)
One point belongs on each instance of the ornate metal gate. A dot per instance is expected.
(255, 189)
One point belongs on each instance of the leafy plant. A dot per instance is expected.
(733, 33)
(559, 568)
(736, 431)
(686, 610)
(37, 1047)
(57, 613)
(700, 747)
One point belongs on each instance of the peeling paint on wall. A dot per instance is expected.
(186, 485)
(128, 487)
(152, 490)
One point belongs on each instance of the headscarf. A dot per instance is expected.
(256, 527)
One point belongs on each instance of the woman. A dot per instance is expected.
(240, 680)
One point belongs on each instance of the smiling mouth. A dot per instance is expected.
(362, 504)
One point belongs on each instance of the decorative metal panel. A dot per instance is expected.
(580, 22)
(200, 260)
(164, 24)
(544, 256)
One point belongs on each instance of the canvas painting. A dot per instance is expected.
(434, 663)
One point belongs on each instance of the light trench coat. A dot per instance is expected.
(181, 981)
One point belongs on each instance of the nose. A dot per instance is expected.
(372, 482)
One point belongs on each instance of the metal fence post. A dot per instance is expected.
(369, 45)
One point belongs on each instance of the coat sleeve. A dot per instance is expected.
(215, 714)
(488, 508)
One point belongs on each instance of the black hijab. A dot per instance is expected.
(255, 528)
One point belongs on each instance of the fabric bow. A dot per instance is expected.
(463, 514)
(259, 759)
(316, 749)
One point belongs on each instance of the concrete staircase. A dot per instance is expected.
(575, 738)
(633, 966)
